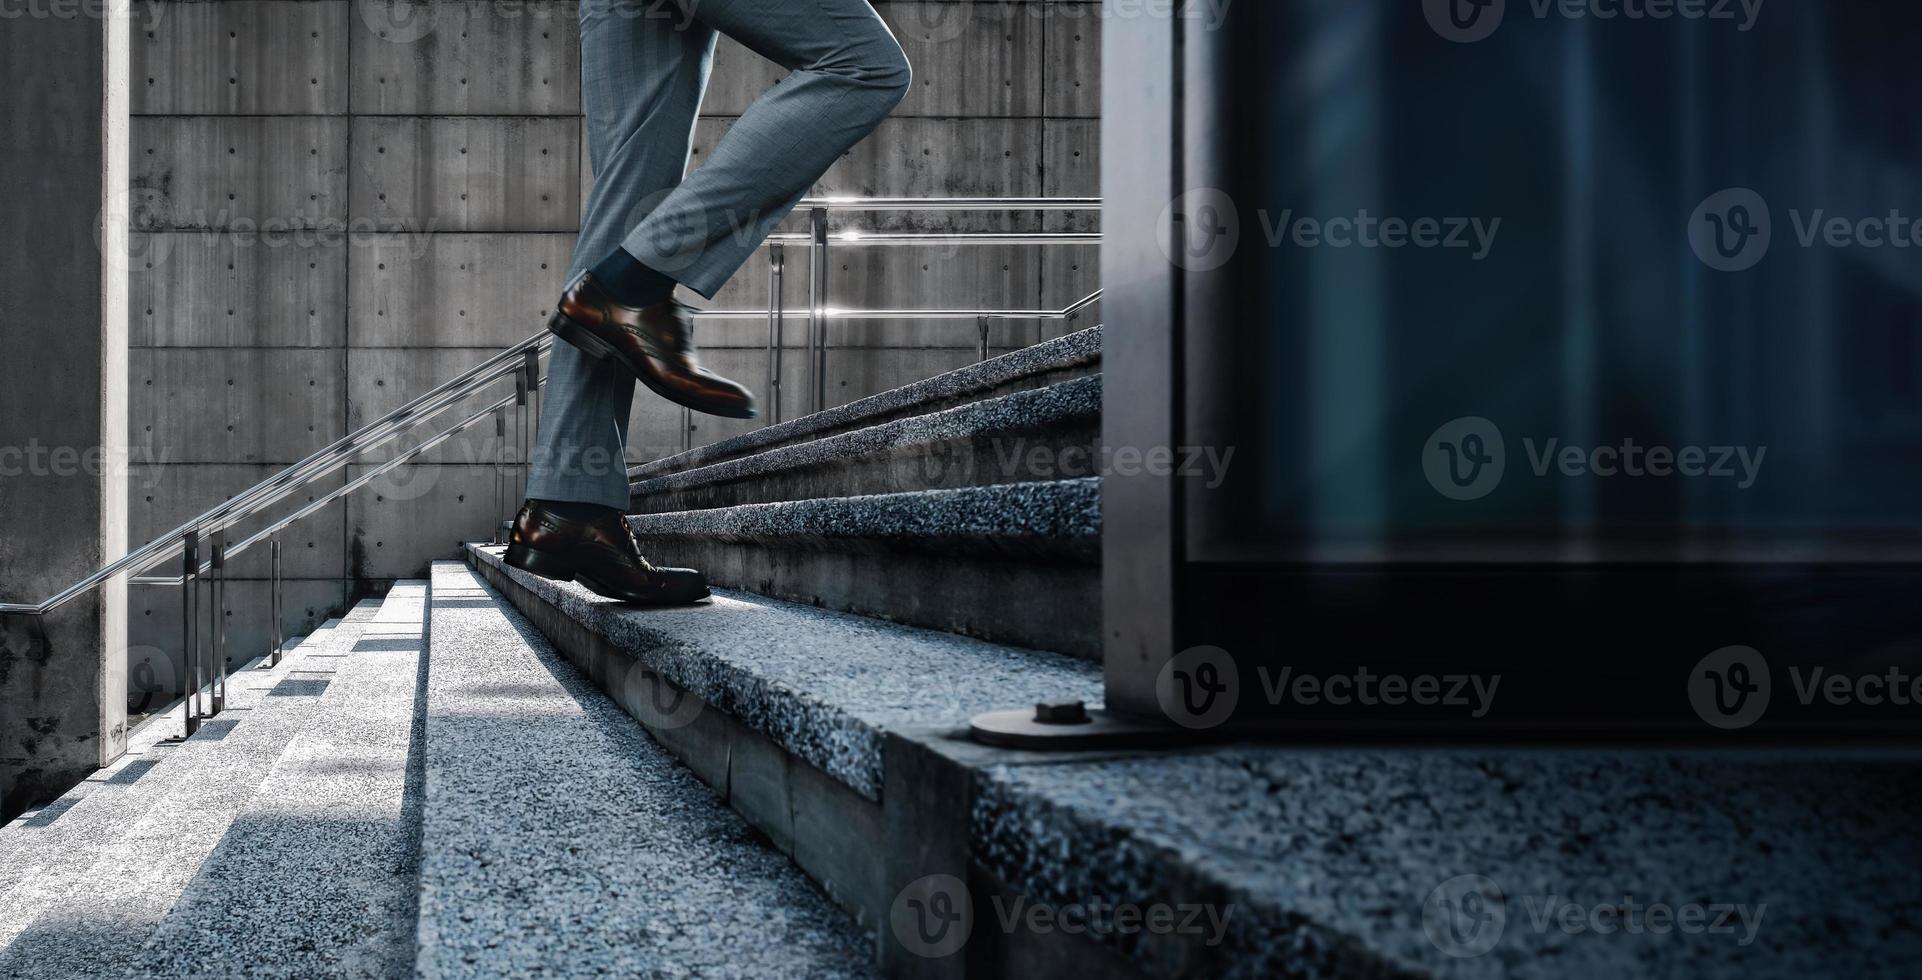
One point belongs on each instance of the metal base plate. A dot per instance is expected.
(1102, 730)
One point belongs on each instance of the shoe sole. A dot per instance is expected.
(548, 566)
(564, 327)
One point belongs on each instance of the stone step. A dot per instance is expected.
(64, 837)
(1040, 434)
(1076, 355)
(1016, 563)
(1246, 860)
(91, 914)
(789, 711)
(62, 829)
(824, 686)
(1460, 862)
(559, 841)
(316, 877)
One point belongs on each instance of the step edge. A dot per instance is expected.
(1064, 403)
(1076, 350)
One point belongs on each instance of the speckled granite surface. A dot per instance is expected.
(1077, 350)
(1054, 405)
(823, 685)
(95, 920)
(559, 841)
(63, 836)
(1060, 518)
(315, 879)
(1349, 863)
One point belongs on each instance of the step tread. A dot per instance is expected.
(1079, 398)
(66, 835)
(315, 877)
(560, 841)
(824, 685)
(93, 914)
(49, 824)
(1063, 514)
(1076, 350)
(1324, 861)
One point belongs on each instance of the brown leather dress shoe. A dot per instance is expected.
(602, 554)
(655, 342)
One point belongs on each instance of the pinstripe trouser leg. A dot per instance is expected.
(644, 69)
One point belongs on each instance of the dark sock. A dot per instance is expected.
(572, 511)
(630, 282)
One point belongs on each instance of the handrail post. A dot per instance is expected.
(500, 469)
(279, 607)
(189, 631)
(818, 308)
(217, 627)
(532, 420)
(776, 261)
(520, 422)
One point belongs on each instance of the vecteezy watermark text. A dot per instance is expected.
(1467, 915)
(933, 917)
(1364, 687)
(1468, 21)
(1202, 230)
(1467, 458)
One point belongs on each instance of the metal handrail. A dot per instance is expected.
(952, 203)
(516, 358)
(840, 314)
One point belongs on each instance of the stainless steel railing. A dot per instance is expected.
(522, 363)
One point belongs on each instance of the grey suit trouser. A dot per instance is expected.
(644, 70)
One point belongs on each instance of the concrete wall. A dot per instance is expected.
(62, 437)
(418, 169)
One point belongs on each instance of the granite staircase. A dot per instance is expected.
(490, 774)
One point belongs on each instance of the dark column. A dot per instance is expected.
(62, 393)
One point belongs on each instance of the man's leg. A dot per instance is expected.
(644, 68)
(848, 74)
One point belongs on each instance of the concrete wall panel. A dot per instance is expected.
(381, 379)
(456, 290)
(261, 57)
(164, 496)
(237, 405)
(422, 57)
(423, 515)
(1071, 79)
(223, 289)
(241, 172)
(472, 173)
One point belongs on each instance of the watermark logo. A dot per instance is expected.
(933, 23)
(136, 209)
(1729, 688)
(1465, 916)
(657, 702)
(151, 681)
(933, 916)
(400, 21)
(1199, 231)
(1465, 459)
(1199, 687)
(1468, 21)
(1465, 21)
(1731, 231)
